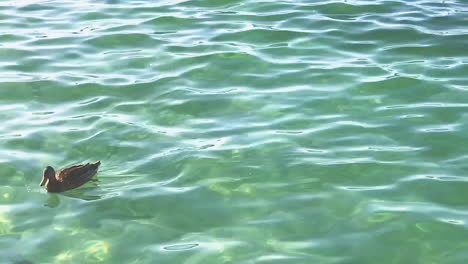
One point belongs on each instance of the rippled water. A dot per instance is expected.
(235, 131)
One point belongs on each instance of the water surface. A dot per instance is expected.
(235, 131)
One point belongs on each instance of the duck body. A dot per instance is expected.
(69, 178)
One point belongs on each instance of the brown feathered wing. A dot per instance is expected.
(77, 175)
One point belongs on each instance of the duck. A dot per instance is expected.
(68, 178)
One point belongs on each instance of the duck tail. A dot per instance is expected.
(96, 164)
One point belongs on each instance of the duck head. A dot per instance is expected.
(49, 175)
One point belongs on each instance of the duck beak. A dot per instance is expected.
(44, 179)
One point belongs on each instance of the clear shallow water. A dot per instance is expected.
(235, 131)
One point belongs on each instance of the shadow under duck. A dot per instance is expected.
(69, 178)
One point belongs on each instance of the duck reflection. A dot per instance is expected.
(53, 200)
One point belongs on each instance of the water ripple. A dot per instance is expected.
(235, 131)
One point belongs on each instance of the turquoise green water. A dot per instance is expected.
(235, 131)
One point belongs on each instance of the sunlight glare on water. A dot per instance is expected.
(235, 131)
